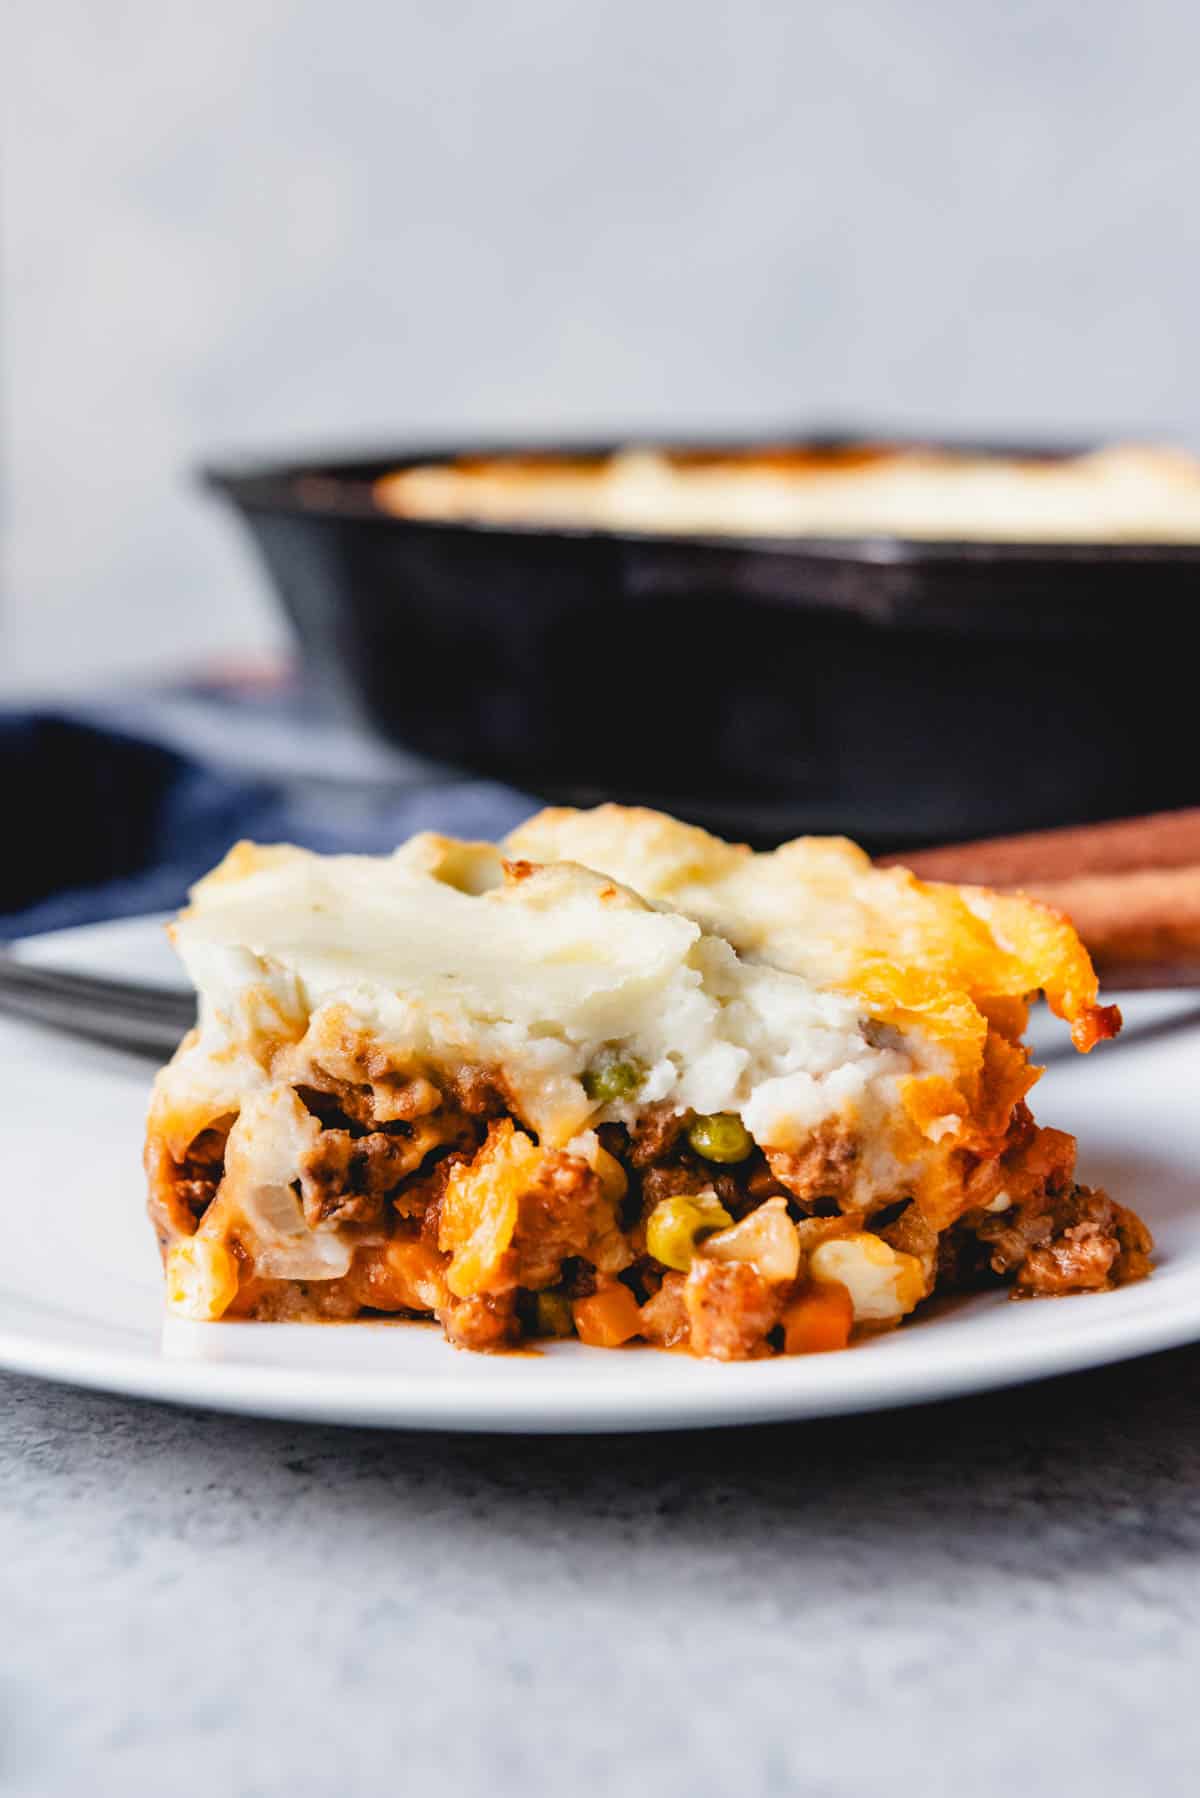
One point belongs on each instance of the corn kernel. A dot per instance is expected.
(884, 1283)
(766, 1238)
(678, 1224)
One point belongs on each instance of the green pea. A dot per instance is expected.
(720, 1138)
(613, 1076)
(553, 1315)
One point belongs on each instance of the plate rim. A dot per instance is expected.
(404, 1400)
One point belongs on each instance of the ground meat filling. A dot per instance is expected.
(348, 1178)
(200, 1171)
(562, 1215)
(565, 1237)
(1082, 1242)
(182, 1191)
(484, 1323)
(665, 1317)
(654, 1135)
(819, 1176)
(730, 1309)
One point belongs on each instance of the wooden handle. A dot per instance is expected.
(1130, 845)
(1131, 888)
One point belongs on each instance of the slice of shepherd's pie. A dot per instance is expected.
(622, 1080)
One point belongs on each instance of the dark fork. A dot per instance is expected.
(126, 1014)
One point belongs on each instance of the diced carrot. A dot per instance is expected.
(818, 1320)
(608, 1318)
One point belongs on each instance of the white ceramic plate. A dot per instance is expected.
(80, 1293)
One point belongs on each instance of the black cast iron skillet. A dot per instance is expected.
(901, 691)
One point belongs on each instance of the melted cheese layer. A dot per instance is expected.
(817, 907)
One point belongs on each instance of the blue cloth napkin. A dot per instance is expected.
(102, 823)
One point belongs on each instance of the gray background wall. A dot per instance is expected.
(266, 223)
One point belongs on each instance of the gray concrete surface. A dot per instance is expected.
(992, 1596)
(268, 223)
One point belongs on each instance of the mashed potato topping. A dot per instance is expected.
(536, 972)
